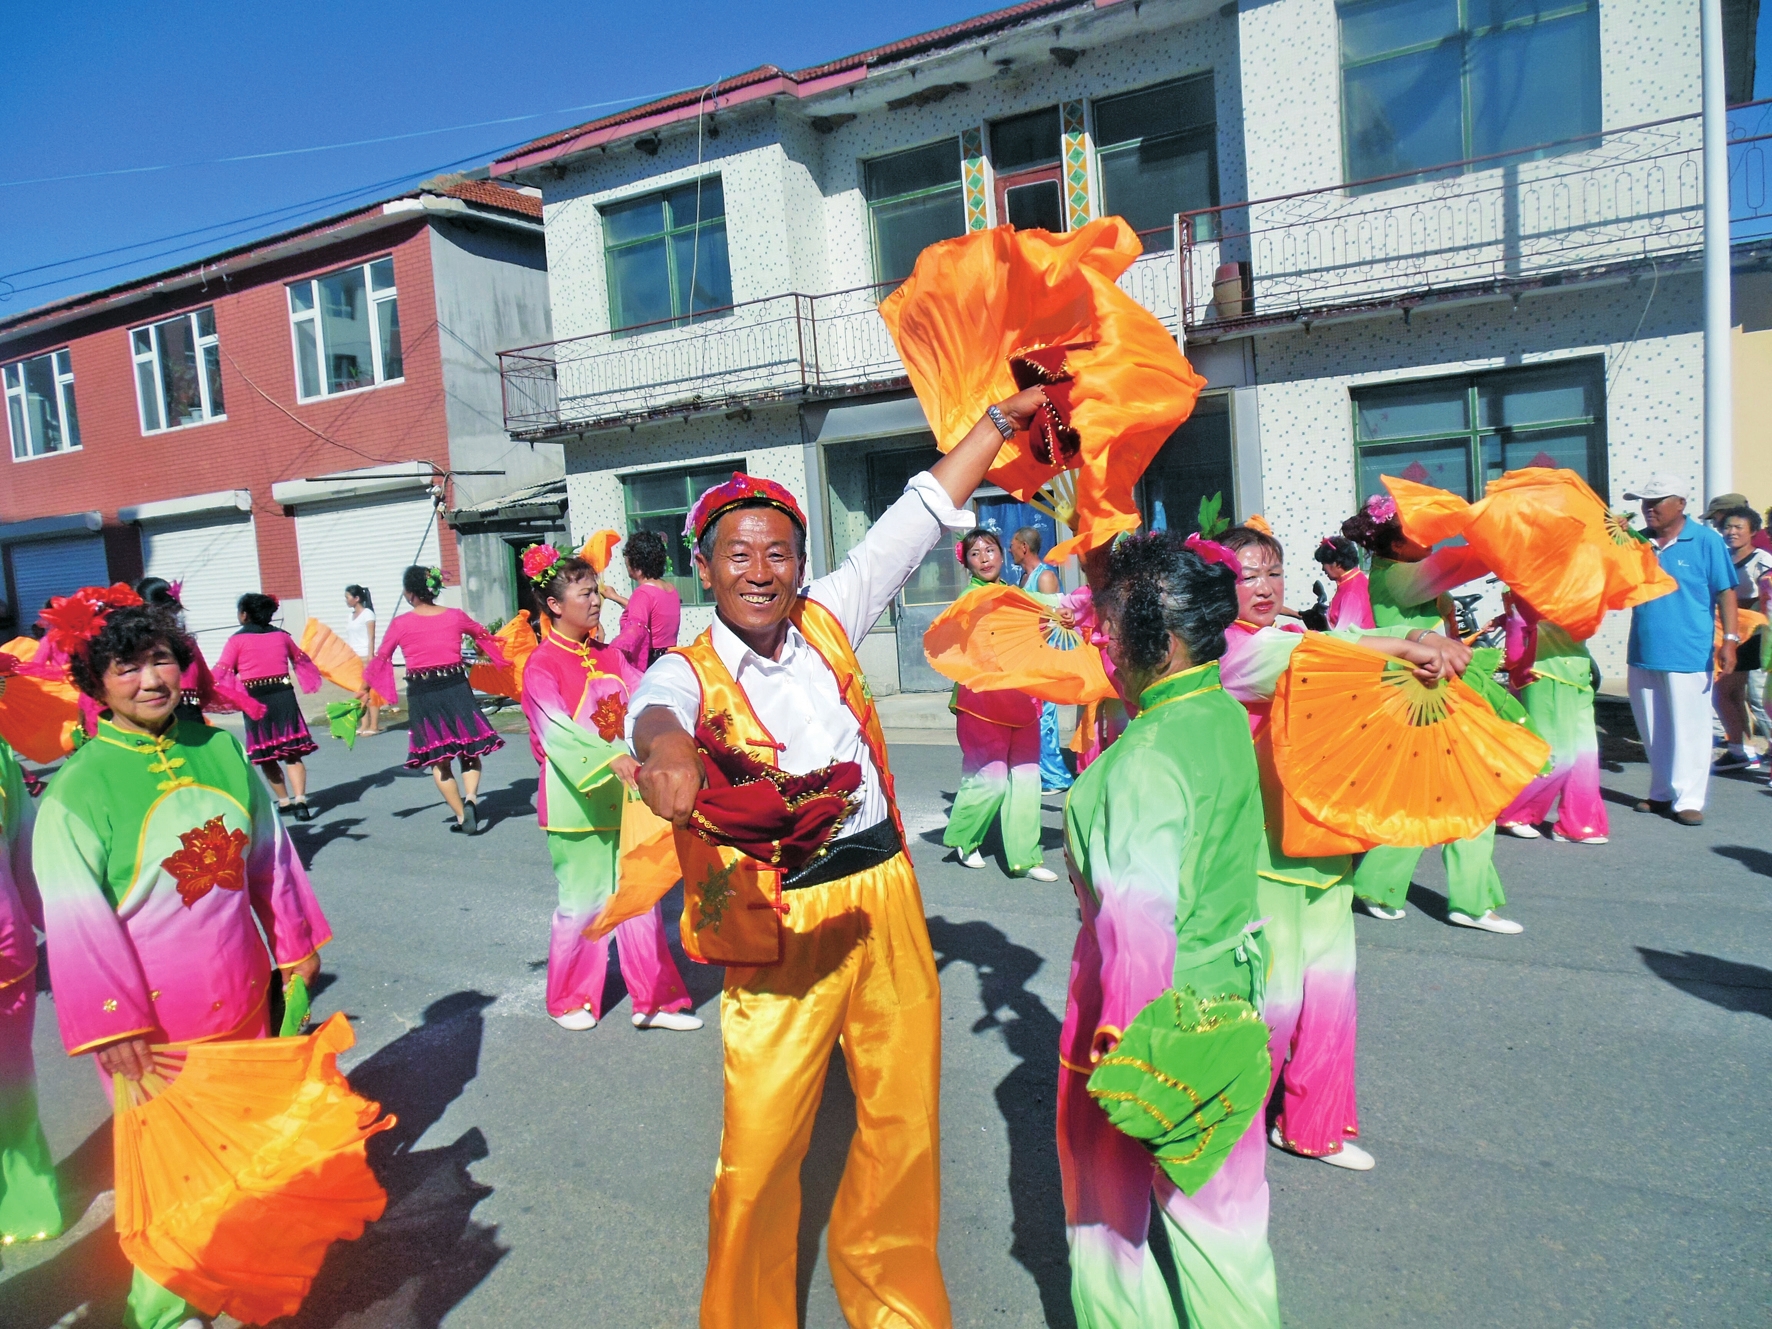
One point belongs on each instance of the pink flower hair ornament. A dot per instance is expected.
(1381, 507)
(539, 563)
(1213, 552)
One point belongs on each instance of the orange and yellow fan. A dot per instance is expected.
(1369, 752)
(238, 1163)
(37, 715)
(994, 312)
(337, 662)
(599, 548)
(1549, 537)
(517, 640)
(647, 869)
(998, 638)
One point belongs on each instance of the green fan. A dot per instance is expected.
(295, 1007)
(342, 718)
(1186, 1080)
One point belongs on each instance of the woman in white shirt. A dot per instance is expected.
(360, 637)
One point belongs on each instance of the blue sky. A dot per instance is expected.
(93, 87)
(98, 88)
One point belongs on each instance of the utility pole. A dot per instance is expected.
(1719, 404)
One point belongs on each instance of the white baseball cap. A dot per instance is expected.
(1661, 484)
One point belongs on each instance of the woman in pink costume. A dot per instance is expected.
(652, 615)
(999, 736)
(575, 695)
(258, 659)
(1351, 606)
(160, 857)
(1554, 677)
(444, 722)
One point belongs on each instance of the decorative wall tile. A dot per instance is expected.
(1076, 166)
(972, 179)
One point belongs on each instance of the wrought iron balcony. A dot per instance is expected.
(1566, 212)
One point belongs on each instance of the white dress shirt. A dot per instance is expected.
(796, 695)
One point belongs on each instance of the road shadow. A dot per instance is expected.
(1734, 987)
(1027, 1098)
(821, 1171)
(309, 838)
(1757, 861)
(1432, 903)
(347, 792)
(426, 1253)
(517, 799)
(86, 1284)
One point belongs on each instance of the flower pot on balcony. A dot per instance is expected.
(1227, 290)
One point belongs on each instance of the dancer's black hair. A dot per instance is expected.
(1157, 586)
(128, 634)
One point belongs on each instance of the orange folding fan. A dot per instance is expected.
(998, 638)
(648, 867)
(992, 312)
(238, 1163)
(518, 642)
(1549, 537)
(337, 662)
(36, 712)
(1369, 751)
(598, 548)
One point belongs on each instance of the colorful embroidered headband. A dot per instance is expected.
(72, 621)
(540, 563)
(739, 491)
(1213, 552)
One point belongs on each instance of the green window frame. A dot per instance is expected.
(1151, 147)
(657, 245)
(1459, 433)
(660, 501)
(1426, 83)
(915, 198)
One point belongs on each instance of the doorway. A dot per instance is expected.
(1027, 153)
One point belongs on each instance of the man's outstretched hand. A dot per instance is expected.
(670, 774)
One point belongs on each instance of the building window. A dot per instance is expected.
(660, 501)
(178, 372)
(347, 330)
(1027, 157)
(1157, 153)
(40, 405)
(1194, 464)
(1430, 82)
(914, 199)
(666, 256)
(1461, 433)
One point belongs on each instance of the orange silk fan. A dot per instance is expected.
(1549, 537)
(36, 712)
(648, 867)
(998, 638)
(1370, 752)
(518, 642)
(238, 1163)
(598, 548)
(992, 312)
(337, 662)
(1747, 622)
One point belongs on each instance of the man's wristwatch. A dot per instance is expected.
(1001, 421)
(1730, 636)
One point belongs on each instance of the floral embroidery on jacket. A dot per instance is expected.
(212, 857)
(610, 718)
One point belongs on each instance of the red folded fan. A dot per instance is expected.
(780, 820)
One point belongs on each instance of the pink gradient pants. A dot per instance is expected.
(1311, 1008)
(1564, 715)
(1218, 1236)
(578, 969)
(999, 776)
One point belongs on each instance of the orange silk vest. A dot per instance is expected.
(732, 904)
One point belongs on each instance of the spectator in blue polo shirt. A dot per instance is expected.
(1670, 654)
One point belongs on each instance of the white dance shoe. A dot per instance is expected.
(972, 860)
(1489, 922)
(1560, 838)
(1041, 874)
(681, 1021)
(576, 1020)
(1379, 911)
(1350, 1156)
(1521, 830)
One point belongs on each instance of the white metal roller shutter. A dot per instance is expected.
(215, 556)
(45, 568)
(365, 542)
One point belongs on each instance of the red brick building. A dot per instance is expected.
(286, 416)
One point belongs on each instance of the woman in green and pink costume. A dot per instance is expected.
(28, 1207)
(164, 870)
(1407, 581)
(999, 735)
(1554, 677)
(1162, 834)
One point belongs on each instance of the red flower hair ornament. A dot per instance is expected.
(72, 621)
(539, 562)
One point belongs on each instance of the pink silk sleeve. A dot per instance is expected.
(489, 645)
(227, 667)
(378, 674)
(307, 673)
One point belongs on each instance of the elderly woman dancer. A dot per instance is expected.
(1407, 583)
(575, 696)
(445, 724)
(1162, 834)
(160, 858)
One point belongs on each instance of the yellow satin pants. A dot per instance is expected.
(856, 966)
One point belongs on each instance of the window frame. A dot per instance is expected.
(65, 406)
(688, 588)
(677, 318)
(957, 186)
(1207, 229)
(373, 300)
(153, 358)
(1476, 433)
(1464, 35)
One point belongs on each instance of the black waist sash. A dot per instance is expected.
(879, 843)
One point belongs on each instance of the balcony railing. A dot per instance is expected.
(1622, 199)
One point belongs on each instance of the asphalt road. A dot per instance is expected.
(1572, 1126)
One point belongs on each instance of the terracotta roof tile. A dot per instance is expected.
(490, 195)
